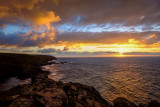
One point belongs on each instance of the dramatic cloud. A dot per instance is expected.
(85, 27)
(99, 53)
(30, 13)
(3, 26)
(66, 53)
(49, 50)
(30, 10)
(109, 37)
(130, 12)
(29, 39)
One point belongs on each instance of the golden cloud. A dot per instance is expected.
(156, 45)
(33, 14)
(28, 10)
(44, 18)
(133, 41)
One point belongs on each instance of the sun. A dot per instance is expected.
(121, 51)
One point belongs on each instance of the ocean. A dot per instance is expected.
(134, 78)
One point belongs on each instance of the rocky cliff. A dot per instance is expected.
(49, 93)
(46, 92)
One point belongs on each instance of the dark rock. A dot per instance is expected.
(22, 66)
(25, 102)
(153, 103)
(122, 102)
(142, 105)
(63, 62)
(46, 92)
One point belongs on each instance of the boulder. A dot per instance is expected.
(122, 102)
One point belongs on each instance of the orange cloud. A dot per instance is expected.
(28, 10)
(156, 45)
(45, 17)
(133, 41)
(32, 13)
(72, 46)
(40, 40)
(152, 36)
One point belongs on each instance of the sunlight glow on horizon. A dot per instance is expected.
(32, 27)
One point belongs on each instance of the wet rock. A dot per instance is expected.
(46, 92)
(142, 105)
(49, 93)
(122, 102)
(22, 66)
(25, 102)
(63, 62)
(153, 103)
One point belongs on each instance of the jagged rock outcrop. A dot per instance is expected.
(46, 92)
(153, 103)
(49, 93)
(22, 66)
(122, 102)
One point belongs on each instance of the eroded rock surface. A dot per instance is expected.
(49, 93)
(46, 92)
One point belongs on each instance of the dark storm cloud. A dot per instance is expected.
(49, 50)
(27, 40)
(108, 37)
(42, 39)
(129, 12)
(87, 37)
(54, 51)
(35, 13)
(10, 39)
(64, 52)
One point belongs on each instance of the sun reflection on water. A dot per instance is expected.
(129, 77)
(127, 82)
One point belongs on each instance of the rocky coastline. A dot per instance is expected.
(22, 66)
(44, 92)
(49, 93)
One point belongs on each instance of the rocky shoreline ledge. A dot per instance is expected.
(49, 93)
(44, 92)
(23, 66)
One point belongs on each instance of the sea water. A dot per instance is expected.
(134, 78)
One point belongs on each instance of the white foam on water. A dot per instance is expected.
(13, 82)
(54, 74)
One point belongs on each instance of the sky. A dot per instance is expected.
(80, 28)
